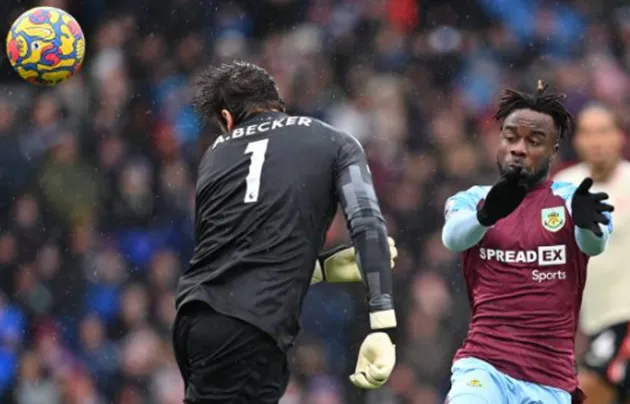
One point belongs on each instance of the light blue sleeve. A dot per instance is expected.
(585, 239)
(461, 229)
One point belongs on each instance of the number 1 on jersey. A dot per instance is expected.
(257, 159)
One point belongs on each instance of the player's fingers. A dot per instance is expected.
(521, 192)
(600, 196)
(502, 187)
(523, 186)
(393, 252)
(359, 380)
(379, 374)
(604, 207)
(600, 218)
(596, 229)
(391, 242)
(584, 185)
(513, 173)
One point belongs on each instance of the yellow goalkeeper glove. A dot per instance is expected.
(340, 265)
(377, 355)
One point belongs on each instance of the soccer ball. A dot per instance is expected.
(46, 46)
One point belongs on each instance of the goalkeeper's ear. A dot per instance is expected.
(226, 120)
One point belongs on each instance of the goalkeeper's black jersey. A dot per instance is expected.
(266, 195)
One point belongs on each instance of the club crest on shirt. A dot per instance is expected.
(553, 219)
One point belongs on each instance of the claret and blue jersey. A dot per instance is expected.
(525, 276)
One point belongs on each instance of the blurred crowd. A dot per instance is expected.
(97, 175)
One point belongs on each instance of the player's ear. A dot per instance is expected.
(227, 119)
(556, 147)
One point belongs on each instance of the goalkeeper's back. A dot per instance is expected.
(266, 195)
(267, 191)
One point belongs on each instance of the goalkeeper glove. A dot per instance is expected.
(588, 209)
(503, 198)
(377, 355)
(339, 264)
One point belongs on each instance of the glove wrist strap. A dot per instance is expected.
(392, 333)
(384, 321)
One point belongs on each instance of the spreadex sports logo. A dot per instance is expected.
(542, 276)
(543, 256)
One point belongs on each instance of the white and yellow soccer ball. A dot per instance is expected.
(46, 46)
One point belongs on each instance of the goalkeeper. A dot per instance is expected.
(267, 191)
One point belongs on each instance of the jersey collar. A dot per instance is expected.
(261, 117)
(542, 184)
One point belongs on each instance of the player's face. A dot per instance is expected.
(598, 140)
(529, 142)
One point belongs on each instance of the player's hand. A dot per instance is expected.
(588, 209)
(503, 198)
(340, 264)
(377, 357)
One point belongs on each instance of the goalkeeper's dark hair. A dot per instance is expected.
(549, 104)
(240, 87)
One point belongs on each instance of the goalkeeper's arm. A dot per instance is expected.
(369, 236)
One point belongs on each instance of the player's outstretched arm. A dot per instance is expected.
(339, 264)
(593, 223)
(377, 355)
(466, 223)
(462, 229)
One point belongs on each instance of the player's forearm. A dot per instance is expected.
(589, 243)
(368, 232)
(462, 230)
(369, 236)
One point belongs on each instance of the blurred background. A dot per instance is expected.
(97, 175)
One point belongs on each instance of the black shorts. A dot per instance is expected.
(608, 355)
(225, 360)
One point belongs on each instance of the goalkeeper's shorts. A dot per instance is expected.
(474, 381)
(225, 360)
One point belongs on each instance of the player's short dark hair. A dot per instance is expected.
(549, 104)
(239, 87)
